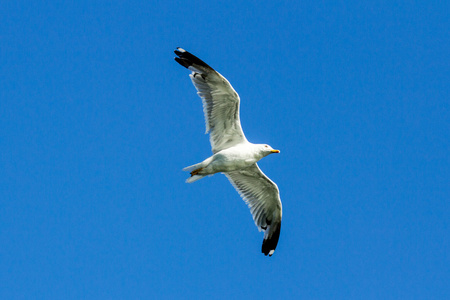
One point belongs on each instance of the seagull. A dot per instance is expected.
(233, 155)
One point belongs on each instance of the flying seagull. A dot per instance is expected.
(233, 155)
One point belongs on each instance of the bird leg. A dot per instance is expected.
(195, 172)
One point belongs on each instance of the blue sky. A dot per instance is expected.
(97, 120)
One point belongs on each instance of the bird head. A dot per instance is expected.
(266, 149)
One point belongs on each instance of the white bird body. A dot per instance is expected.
(231, 159)
(233, 155)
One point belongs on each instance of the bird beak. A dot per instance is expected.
(275, 151)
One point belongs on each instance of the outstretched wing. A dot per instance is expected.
(220, 102)
(263, 198)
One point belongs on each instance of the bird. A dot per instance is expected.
(233, 155)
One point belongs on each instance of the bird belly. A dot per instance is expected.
(229, 163)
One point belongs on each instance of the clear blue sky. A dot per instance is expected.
(97, 120)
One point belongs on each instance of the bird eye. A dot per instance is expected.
(266, 146)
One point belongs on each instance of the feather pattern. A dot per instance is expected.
(220, 102)
(262, 197)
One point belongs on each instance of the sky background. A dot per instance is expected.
(97, 121)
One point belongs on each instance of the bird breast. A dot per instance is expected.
(232, 159)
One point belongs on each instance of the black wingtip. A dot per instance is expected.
(269, 245)
(187, 59)
(179, 51)
(185, 63)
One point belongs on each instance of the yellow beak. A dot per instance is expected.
(275, 151)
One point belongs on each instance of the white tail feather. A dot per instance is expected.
(194, 178)
(193, 167)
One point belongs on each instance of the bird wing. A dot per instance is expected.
(220, 102)
(263, 198)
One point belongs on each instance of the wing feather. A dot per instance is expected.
(263, 198)
(220, 102)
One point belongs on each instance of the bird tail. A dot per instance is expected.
(194, 169)
(271, 236)
(194, 178)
